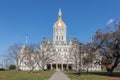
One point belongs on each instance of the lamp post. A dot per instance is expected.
(79, 59)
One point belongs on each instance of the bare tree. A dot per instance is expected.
(45, 54)
(12, 54)
(28, 54)
(108, 43)
(74, 54)
(2, 61)
(88, 56)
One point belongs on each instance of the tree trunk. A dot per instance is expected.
(110, 71)
(31, 69)
(110, 68)
(43, 68)
(87, 70)
(17, 67)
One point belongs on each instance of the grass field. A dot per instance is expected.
(25, 75)
(93, 76)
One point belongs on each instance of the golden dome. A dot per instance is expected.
(60, 23)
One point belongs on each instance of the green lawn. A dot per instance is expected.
(25, 75)
(93, 76)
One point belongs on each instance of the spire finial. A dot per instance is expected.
(60, 14)
(27, 39)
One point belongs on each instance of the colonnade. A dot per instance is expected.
(59, 66)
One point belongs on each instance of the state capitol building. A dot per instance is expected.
(63, 59)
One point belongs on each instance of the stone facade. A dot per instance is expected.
(62, 59)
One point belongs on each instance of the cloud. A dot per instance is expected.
(110, 21)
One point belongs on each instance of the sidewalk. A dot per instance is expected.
(59, 76)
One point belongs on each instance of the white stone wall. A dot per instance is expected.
(62, 47)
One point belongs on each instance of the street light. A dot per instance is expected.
(80, 58)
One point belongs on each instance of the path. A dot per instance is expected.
(59, 76)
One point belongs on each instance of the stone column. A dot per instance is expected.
(51, 66)
(62, 66)
(56, 66)
(68, 67)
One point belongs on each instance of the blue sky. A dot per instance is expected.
(37, 17)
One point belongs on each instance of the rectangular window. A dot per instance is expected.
(62, 37)
(57, 37)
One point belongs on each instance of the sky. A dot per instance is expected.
(37, 17)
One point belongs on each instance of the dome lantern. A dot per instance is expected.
(60, 14)
(59, 28)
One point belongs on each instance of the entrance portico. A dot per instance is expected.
(59, 67)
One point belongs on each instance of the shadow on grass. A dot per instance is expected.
(115, 74)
